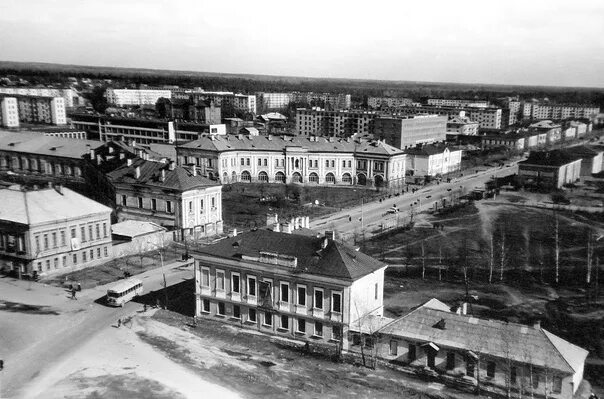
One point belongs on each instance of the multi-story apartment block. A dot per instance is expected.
(38, 159)
(312, 160)
(534, 110)
(171, 196)
(449, 102)
(297, 286)
(274, 101)
(462, 125)
(408, 131)
(126, 97)
(70, 97)
(9, 112)
(342, 123)
(487, 118)
(52, 231)
(388, 102)
(36, 109)
(239, 102)
(332, 101)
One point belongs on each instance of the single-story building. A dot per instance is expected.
(549, 169)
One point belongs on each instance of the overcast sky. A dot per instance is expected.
(534, 42)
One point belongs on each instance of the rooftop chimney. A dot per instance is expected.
(163, 174)
(194, 170)
(122, 155)
(537, 325)
(172, 165)
(91, 154)
(276, 227)
(137, 172)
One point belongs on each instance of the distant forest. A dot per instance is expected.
(44, 73)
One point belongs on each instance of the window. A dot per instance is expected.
(236, 312)
(40, 266)
(56, 262)
(98, 252)
(205, 305)
(153, 204)
(242, 162)
(190, 206)
(336, 302)
(376, 290)
(235, 283)
(513, 375)
(491, 369)
(369, 342)
(470, 367)
(63, 242)
(450, 361)
(220, 280)
(251, 286)
(75, 259)
(91, 254)
(284, 322)
(213, 199)
(84, 256)
(105, 230)
(90, 236)
(336, 332)
(98, 231)
(285, 292)
(301, 295)
(268, 319)
(318, 298)
(201, 206)
(45, 241)
(251, 315)
(247, 161)
(343, 164)
(169, 206)
(64, 261)
(140, 202)
(318, 329)
(205, 277)
(393, 347)
(73, 232)
(356, 339)
(37, 238)
(536, 381)
(327, 163)
(411, 355)
(301, 325)
(557, 385)
(47, 264)
(105, 253)
(259, 162)
(221, 311)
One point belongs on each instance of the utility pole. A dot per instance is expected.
(557, 238)
(161, 258)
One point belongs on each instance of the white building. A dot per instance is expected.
(462, 125)
(124, 97)
(388, 102)
(52, 231)
(9, 112)
(70, 97)
(450, 102)
(433, 160)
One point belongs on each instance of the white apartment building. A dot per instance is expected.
(275, 101)
(33, 109)
(125, 97)
(342, 123)
(312, 160)
(533, 110)
(432, 160)
(449, 102)
(388, 102)
(9, 112)
(70, 97)
(52, 231)
(488, 118)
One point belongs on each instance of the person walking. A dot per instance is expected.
(119, 323)
(73, 294)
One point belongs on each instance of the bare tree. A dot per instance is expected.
(423, 260)
(503, 253)
(491, 259)
(557, 254)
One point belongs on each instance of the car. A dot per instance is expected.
(392, 210)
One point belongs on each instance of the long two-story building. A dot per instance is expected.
(312, 160)
(302, 287)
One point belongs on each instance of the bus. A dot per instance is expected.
(124, 291)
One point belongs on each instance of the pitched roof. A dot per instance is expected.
(46, 205)
(493, 337)
(335, 260)
(180, 178)
(545, 124)
(279, 143)
(459, 120)
(37, 143)
(582, 151)
(134, 228)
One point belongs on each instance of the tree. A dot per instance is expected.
(423, 260)
(557, 254)
(98, 100)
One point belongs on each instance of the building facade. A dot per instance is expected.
(9, 112)
(535, 110)
(462, 125)
(408, 131)
(388, 102)
(313, 160)
(37, 242)
(70, 97)
(549, 169)
(488, 118)
(342, 123)
(301, 287)
(130, 97)
(35, 109)
(452, 102)
(433, 160)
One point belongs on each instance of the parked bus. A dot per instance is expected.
(124, 291)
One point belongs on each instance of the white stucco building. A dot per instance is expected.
(432, 160)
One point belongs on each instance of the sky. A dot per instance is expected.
(528, 42)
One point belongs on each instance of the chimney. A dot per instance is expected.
(537, 325)
(122, 155)
(172, 165)
(194, 170)
(137, 172)
(462, 309)
(235, 232)
(59, 189)
(163, 174)
(110, 150)
(129, 162)
(91, 154)
(98, 159)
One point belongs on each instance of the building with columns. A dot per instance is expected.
(308, 160)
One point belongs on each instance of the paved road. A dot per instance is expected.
(77, 323)
(374, 214)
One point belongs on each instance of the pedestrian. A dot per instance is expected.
(119, 323)
(157, 303)
(145, 307)
(73, 293)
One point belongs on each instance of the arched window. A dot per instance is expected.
(361, 179)
(296, 178)
(225, 178)
(280, 177)
(263, 177)
(297, 164)
(245, 176)
(313, 178)
(379, 180)
(330, 178)
(346, 178)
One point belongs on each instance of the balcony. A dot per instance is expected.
(318, 313)
(301, 309)
(206, 290)
(220, 294)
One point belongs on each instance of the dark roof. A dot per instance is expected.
(181, 179)
(550, 158)
(335, 260)
(493, 337)
(429, 149)
(36, 143)
(582, 151)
